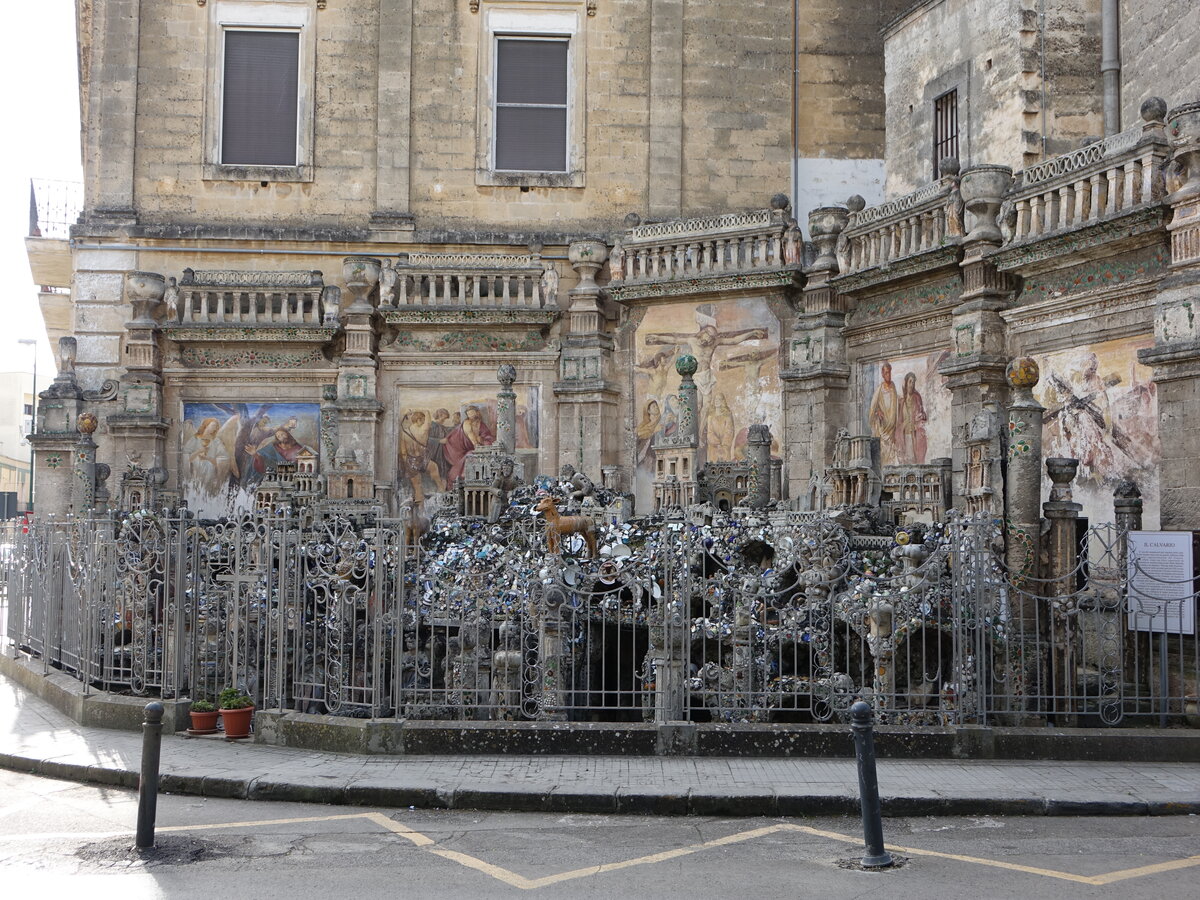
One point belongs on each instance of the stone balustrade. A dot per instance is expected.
(469, 280)
(926, 219)
(715, 252)
(1096, 183)
(229, 298)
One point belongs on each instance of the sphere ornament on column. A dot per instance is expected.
(1023, 372)
(686, 365)
(87, 423)
(506, 374)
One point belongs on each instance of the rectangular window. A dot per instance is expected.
(945, 130)
(259, 109)
(531, 104)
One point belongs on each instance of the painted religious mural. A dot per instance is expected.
(906, 404)
(440, 426)
(1102, 409)
(228, 448)
(736, 344)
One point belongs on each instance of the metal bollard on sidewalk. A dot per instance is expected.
(868, 787)
(148, 783)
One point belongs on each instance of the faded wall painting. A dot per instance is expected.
(736, 344)
(440, 426)
(228, 448)
(1102, 409)
(906, 404)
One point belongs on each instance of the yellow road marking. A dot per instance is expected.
(428, 844)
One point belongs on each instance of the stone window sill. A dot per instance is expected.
(218, 172)
(493, 178)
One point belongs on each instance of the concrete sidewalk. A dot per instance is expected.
(37, 738)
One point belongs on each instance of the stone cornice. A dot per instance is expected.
(945, 257)
(468, 316)
(266, 334)
(1134, 229)
(710, 284)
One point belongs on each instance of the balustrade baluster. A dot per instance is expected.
(1113, 202)
(1097, 199)
(403, 301)
(504, 291)
(1147, 169)
(252, 306)
(1080, 192)
(462, 290)
(1129, 184)
(1038, 219)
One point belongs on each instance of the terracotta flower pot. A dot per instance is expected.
(204, 722)
(237, 722)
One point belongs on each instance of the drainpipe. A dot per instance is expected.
(795, 110)
(1110, 64)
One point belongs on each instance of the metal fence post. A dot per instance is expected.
(148, 783)
(868, 787)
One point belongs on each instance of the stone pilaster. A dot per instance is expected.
(55, 434)
(975, 369)
(391, 220)
(587, 394)
(1022, 494)
(1175, 356)
(506, 409)
(357, 403)
(110, 112)
(816, 380)
(138, 424)
(1063, 556)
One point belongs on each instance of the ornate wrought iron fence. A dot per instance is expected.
(754, 617)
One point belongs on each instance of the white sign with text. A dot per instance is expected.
(1161, 585)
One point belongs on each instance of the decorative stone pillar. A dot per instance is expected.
(758, 454)
(84, 495)
(1063, 555)
(55, 434)
(138, 424)
(1022, 494)
(587, 396)
(1127, 514)
(358, 409)
(1175, 356)
(506, 409)
(689, 424)
(553, 657)
(816, 380)
(978, 335)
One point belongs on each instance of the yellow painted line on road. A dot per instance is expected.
(514, 879)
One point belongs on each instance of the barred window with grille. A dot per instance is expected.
(260, 98)
(531, 110)
(945, 130)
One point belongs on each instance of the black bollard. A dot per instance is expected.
(148, 784)
(868, 787)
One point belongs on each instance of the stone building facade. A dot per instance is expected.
(351, 301)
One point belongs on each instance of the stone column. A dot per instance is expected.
(83, 496)
(1175, 356)
(816, 380)
(758, 454)
(357, 404)
(1022, 495)
(689, 424)
(975, 369)
(506, 409)
(552, 656)
(1062, 551)
(1127, 510)
(588, 413)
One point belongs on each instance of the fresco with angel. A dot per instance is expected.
(228, 448)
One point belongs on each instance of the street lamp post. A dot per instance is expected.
(31, 342)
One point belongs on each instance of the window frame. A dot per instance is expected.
(293, 16)
(497, 38)
(511, 19)
(938, 156)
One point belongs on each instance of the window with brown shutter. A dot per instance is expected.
(945, 130)
(260, 98)
(531, 104)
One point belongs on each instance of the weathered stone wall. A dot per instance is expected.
(995, 54)
(1158, 53)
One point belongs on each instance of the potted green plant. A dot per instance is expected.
(237, 709)
(204, 717)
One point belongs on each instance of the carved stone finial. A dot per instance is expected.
(1154, 109)
(949, 166)
(1127, 490)
(506, 374)
(1062, 471)
(856, 203)
(780, 201)
(982, 189)
(87, 423)
(632, 220)
(825, 224)
(686, 365)
(1023, 372)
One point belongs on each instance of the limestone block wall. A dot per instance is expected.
(1156, 57)
(1027, 74)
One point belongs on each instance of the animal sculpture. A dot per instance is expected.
(558, 526)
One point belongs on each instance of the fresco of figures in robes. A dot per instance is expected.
(1102, 409)
(736, 344)
(906, 404)
(440, 426)
(228, 448)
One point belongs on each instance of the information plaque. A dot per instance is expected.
(1161, 582)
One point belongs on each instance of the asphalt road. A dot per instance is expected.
(74, 838)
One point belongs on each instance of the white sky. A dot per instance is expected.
(41, 115)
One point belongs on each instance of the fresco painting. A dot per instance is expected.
(737, 347)
(440, 426)
(1102, 409)
(906, 404)
(228, 448)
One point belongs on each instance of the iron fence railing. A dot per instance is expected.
(755, 617)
